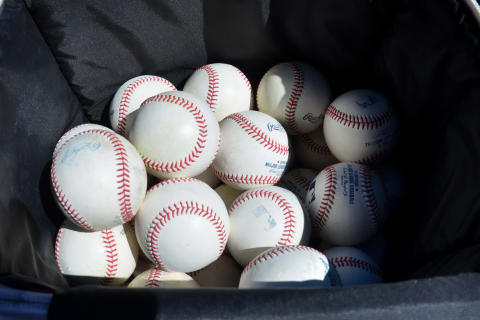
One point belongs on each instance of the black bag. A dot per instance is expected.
(62, 61)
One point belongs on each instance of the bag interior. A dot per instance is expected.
(61, 63)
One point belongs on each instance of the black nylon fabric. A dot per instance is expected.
(61, 62)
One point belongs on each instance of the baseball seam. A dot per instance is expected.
(314, 146)
(291, 107)
(369, 196)
(63, 137)
(339, 262)
(289, 222)
(271, 254)
(57, 249)
(178, 209)
(213, 86)
(367, 122)
(244, 78)
(111, 255)
(374, 158)
(199, 145)
(245, 178)
(328, 199)
(154, 277)
(170, 182)
(303, 182)
(255, 133)
(123, 110)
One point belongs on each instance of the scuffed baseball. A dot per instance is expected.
(223, 272)
(157, 278)
(75, 130)
(221, 86)
(298, 181)
(228, 194)
(287, 266)
(346, 202)
(254, 150)
(104, 257)
(353, 266)
(99, 179)
(130, 96)
(183, 225)
(296, 94)
(312, 151)
(360, 126)
(263, 218)
(176, 134)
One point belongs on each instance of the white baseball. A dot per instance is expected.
(183, 225)
(298, 181)
(209, 177)
(346, 202)
(130, 96)
(75, 130)
(176, 134)
(106, 257)
(263, 218)
(99, 179)
(295, 94)
(353, 266)
(228, 194)
(223, 272)
(254, 150)
(312, 151)
(157, 278)
(360, 126)
(223, 87)
(287, 266)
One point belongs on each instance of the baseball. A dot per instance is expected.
(101, 257)
(288, 266)
(346, 202)
(228, 194)
(263, 218)
(312, 151)
(254, 150)
(99, 179)
(183, 225)
(223, 272)
(360, 126)
(157, 278)
(298, 181)
(353, 266)
(130, 96)
(223, 87)
(75, 130)
(176, 134)
(209, 177)
(295, 94)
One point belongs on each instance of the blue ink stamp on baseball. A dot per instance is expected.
(75, 150)
(262, 211)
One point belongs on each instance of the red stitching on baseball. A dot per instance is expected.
(291, 107)
(270, 254)
(244, 78)
(369, 196)
(245, 178)
(63, 137)
(154, 277)
(367, 122)
(127, 93)
(289, 222)
(314, 146)
(213, 86)
(178, 209)
(111, 255)
(321, 217)
(258, 135)
(123, 180)
(57, 249)
(199, 145)
(355, 263)
(373, 159)
(169, 182)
